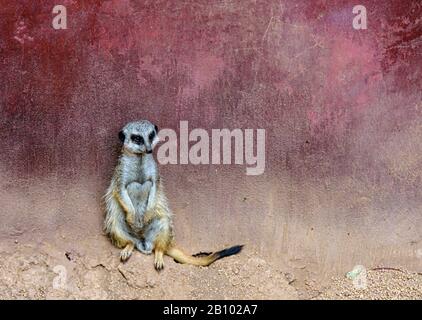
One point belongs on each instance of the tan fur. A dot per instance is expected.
(182, 257)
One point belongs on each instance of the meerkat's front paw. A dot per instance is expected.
(130, 219)
(144, 247)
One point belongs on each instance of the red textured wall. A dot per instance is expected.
(341, 108)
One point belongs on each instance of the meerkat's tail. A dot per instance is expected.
(202, 259)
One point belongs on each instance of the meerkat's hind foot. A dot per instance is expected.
(144, 246)
(159, 261)
(126, 252)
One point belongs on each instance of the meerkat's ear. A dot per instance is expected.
(156, 128)
(122, 136)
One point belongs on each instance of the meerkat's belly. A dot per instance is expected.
(139, 193)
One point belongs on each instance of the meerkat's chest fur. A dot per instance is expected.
(137, 169)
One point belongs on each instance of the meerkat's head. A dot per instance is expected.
(139, 137)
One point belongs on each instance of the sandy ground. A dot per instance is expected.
(385, 284)
(39, 274)
(46, 272)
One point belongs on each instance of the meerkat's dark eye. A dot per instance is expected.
(122, 136)
(151, 135)
(137, 139)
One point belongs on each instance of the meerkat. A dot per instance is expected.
(137, 211)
